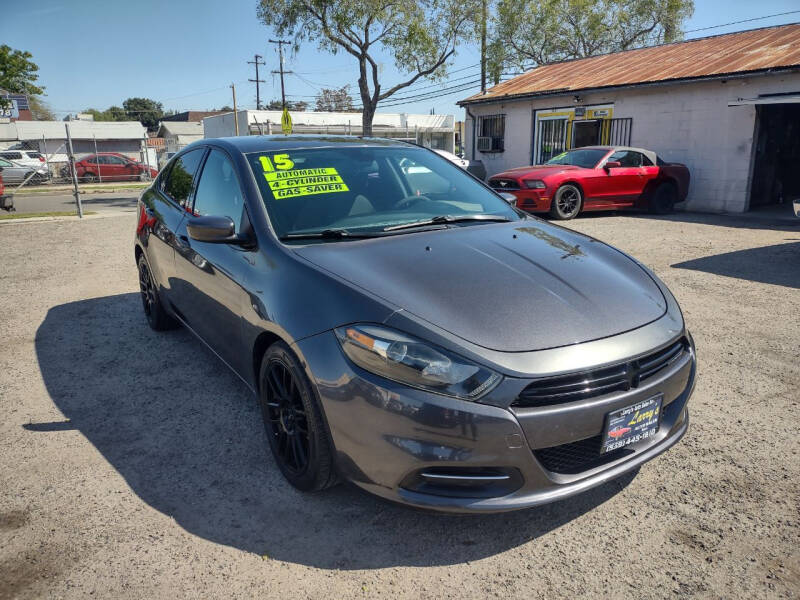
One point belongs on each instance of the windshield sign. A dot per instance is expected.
(355, 191)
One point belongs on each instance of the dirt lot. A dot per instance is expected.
(133, 464)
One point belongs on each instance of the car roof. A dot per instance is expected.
(648, 153)
(261, 143)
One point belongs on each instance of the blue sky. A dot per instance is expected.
(185, 54)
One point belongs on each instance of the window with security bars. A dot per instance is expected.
(491, 133)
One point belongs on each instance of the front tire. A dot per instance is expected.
(89, 177)
(293, 422)
(566, 203)
(154, 311)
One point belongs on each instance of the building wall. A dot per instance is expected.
(689, 123)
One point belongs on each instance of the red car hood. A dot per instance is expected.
(535, 171)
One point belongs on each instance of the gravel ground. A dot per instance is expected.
(133, 464)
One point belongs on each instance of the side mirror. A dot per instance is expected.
(612, 164)
(509, 197)
(213, 230)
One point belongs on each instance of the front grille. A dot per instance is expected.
(504, 185)
(598, 382)
(577, 457)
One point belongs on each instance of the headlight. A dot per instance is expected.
(404, 359)
(534, 184)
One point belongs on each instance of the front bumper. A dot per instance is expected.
(533, 200)
(387, 434)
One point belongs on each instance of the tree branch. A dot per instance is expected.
(420, 73)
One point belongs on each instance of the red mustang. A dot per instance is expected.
(596, 178)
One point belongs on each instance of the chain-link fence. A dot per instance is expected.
(52, 161)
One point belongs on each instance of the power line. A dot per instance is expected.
(788, 12)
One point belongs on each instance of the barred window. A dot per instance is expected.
(492, 127)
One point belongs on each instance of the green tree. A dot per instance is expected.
(148, 112)
(18, 72)
(297, 105)
(554, 30)
(335, 100)
(112, 113)
(419, 35)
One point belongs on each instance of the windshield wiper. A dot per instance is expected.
(325, 234)
(445, 219)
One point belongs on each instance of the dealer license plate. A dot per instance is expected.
(632, 424)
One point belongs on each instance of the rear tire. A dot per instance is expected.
(566, 203)
(89, 177)
(293, 422)
(154, 311)
(664, 199)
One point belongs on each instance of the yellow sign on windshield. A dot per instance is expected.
(286, 182)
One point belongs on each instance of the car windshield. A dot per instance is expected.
(584, 157)
(362, 190)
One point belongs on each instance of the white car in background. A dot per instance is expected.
(28, 158)
(475, 167)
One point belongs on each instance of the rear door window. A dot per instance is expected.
(181, 177)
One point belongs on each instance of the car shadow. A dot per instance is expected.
(185, 434)
(777, 265)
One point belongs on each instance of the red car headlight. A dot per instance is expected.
(534, 184)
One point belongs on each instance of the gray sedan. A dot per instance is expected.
(15, 172)
(405, 328)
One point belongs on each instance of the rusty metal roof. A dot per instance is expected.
(728, 54)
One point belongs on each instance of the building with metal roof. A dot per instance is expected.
(728, 106)
(50, 138)
(178, 134)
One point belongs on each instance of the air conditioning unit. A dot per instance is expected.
(484, 144)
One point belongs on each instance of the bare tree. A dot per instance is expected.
(420, 35)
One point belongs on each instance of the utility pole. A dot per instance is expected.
(257, 61)
(281, 43)
(484, 17)
(71, 157)
(235, 112)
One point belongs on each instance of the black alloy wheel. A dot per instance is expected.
(566, 202)
(157, 316)
(293, 422)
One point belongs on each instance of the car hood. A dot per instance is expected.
(539, 171)
(513, 287)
